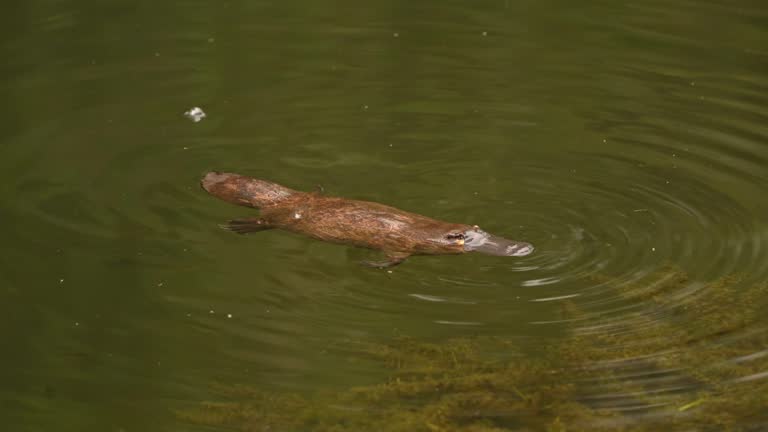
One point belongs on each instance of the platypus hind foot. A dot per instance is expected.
(245, 226)
(393, 259)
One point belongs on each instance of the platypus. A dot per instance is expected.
(399, 234)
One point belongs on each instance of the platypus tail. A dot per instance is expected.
(245, 191)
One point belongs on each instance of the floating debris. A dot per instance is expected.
(195, 114)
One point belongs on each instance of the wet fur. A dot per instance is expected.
(356, 223)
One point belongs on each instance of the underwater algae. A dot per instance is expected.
(667, 360)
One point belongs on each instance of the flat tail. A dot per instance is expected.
(245, 226)
(243, 190)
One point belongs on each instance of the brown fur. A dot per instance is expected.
(357, 223)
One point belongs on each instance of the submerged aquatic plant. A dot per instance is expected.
(678, 361)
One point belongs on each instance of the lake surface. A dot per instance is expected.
(628, 141)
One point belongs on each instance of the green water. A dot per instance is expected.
(617, 137)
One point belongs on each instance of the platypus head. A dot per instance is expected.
(477, 240)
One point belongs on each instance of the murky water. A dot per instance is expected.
(622, 139)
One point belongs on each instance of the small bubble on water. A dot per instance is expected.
(229, 315)
(211, 312)
(211, 40)
(396, 34)
(485, 33)
(195, 114)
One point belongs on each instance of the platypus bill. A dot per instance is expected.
(399, 234)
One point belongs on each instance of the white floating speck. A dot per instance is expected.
(229, 315)
(653, 249)
(485, 33)
(211, 40)
(211, 311)
(297, 215)
(61, 281)
(396, 34)
(195, 114)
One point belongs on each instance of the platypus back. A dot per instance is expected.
(245, 191)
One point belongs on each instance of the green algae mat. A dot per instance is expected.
(592, 380)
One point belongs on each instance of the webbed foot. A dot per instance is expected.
(245, 226)
(393, 259)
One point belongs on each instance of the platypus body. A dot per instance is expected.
(399, 234)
